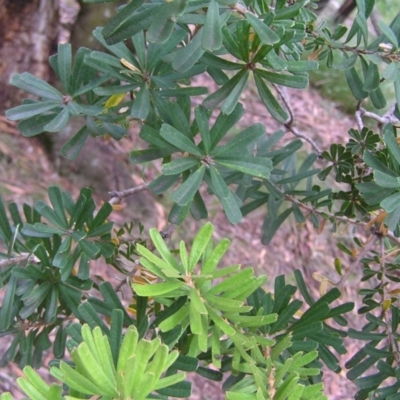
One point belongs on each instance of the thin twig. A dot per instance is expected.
(31, 258)
(289, 123)
(167, 233)
(126, 278)
(354, 265)
(285, 100)
(297, 133)
(347, 220)
(387, 118)
(358, 115)
(117, 196)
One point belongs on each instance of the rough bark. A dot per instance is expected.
(28, 35)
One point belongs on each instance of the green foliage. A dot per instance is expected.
(187, 313)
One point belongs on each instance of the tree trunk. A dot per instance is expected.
(28, 35)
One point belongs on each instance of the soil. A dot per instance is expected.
(26, 170)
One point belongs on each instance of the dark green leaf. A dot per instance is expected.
(31, 84)
(179, 165)
(264, 32)
(73, 147)
(355, 84)
(271, 225)
(222, 93)
(179, 140)
(240, 142)
(255, 166)
(185, 193)
(121, 18)
(293, 81)
(270, 101)
(30, 110)
(64, 62)
(231, 207)
(186, 57)
(212, 34)
(141, 105)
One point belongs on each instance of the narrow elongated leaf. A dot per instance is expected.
(179, 140)
(230, 102)
(391, 142)
(264, 32)
(161, 28)
(59, 122)
(186, 57)
(388, 33)
(163, 183)
(179, 165)
(255, 166)
(223, 92)
(355, 84)
(211, 39)
(270, 101)
(271, 225)
(73, 147)
(156, 289)
(123, 15)
(223, 123)
(231, 207)
(202, 124)
(31, 84)
(239, 143)
(293, 81)
(141, 105)
(64, 62)
(199, 244)
(185, 193)
(30, 110)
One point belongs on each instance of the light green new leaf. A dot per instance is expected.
(264, 32)
(214, 258)
(185, 193)
(200, 242)
(212, 33)
(179, 140)
(255, 166)
(164, 251)
(156, 289)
